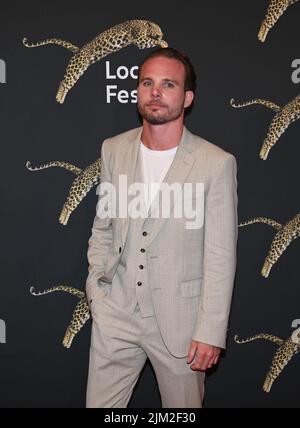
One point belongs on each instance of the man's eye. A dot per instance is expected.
(169, 85)
(146, 83)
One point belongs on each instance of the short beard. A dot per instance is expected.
(154, 120)
(160, 119)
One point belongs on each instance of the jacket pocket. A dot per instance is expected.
(191, 288)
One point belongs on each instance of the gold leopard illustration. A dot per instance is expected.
(275, 10)
(80, 315)
(141, 33)
(83, 183)
(282, 120)
(283, 238)
(286, 351)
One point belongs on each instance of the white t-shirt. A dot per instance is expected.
(155, 165)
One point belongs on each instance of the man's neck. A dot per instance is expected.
(162, 137)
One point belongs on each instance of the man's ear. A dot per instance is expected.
(189, 96)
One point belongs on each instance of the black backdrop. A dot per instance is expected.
(221, 39)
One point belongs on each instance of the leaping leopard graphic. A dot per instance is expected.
(83, 183)
(141, 33)
(80, 316)
(286, 351)
(283, 238)
(275, 10)
(284, 117)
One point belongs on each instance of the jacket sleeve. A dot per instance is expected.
(101, 238)
(219, 264)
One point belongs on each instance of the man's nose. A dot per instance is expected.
(155, 92)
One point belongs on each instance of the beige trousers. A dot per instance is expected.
(120, 345)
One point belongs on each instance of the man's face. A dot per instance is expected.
(161, 95)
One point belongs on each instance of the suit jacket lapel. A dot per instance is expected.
(177, 173)
(128, 167)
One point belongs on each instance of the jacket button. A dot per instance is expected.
(120, 249)
(143, 250)
(139, 283)
(145, 233)
(141, 267)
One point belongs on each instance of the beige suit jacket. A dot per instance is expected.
(191, 271)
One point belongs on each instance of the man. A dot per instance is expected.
(161, 287)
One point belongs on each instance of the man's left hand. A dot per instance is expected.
(202, 356)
